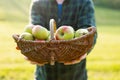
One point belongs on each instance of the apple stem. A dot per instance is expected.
(62, 33)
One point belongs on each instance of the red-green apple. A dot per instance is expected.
(28, 28)
(26, 36)
(81, 32)
(40, 32)
(64, 33)
(49, 36)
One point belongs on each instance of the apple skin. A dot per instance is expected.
(64, 33)
(28, 28)
(40, 32)
(81, 32)
(48, 35)
(26, 36)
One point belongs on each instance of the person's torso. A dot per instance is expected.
(70, 12)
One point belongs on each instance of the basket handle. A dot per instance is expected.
(52, 25)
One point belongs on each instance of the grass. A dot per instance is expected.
(102, 63)
(12, 62)
(17, 10)
(107, 17)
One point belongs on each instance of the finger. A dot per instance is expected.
(32, 62)
(84, 56)
(72, 62)
(26, 58)
(35, 63)
(41, 64)
(79, 59)
(76, 61)
(67, 63)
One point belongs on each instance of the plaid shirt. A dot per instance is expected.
(76, 13)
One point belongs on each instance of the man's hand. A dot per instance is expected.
(76, 61)
(66, 63)
(35, 63)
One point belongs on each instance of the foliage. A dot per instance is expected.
(14, 10)
(115, 4)
(107, 16)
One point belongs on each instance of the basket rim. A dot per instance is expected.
(52, 43)
(91, 32)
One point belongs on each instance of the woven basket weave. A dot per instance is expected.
(56, 50)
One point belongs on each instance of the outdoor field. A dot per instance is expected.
(103, 63)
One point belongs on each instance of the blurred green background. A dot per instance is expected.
(103, 63)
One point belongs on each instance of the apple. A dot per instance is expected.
(26, 36)
(49, 37)
(64, 33)
(40, 32)
(81, 32)
(28, 28)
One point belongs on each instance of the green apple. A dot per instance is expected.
(28, 28)
(81, 32)
(49, 37)
(64, 33)
(26, 36)
(40, 32)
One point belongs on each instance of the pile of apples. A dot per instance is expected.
(40, 33)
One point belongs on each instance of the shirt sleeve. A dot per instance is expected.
(86, 14)
(87, 17)
(36, 13)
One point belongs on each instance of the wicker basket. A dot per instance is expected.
(56, 50)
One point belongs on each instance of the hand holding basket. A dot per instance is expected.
(56, 50)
